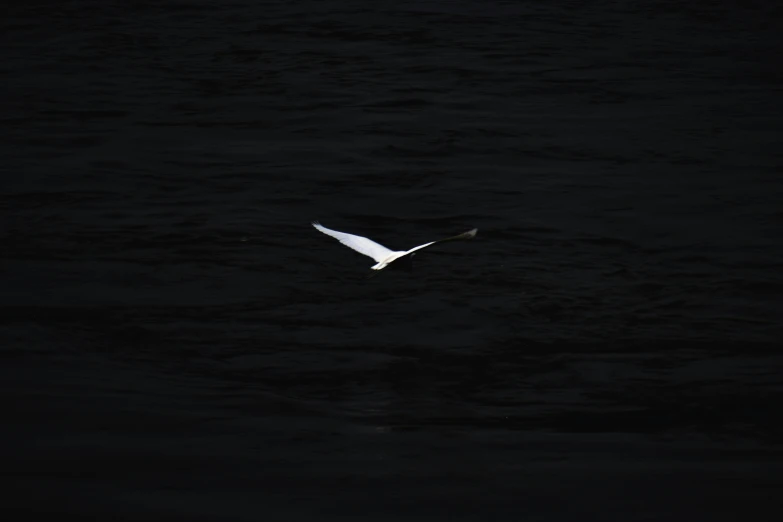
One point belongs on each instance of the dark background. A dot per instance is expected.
(177, 342)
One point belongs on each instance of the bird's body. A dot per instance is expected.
(382, 255)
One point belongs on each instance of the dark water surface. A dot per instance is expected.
(177, 343)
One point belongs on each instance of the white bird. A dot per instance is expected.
(382, 255)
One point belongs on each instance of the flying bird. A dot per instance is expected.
(382, 255)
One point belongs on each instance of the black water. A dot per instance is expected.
(177, 342)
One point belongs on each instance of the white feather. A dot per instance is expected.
(420, 247)
(365, 246)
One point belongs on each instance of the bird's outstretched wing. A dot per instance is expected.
(470, 234)
(361, 244)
